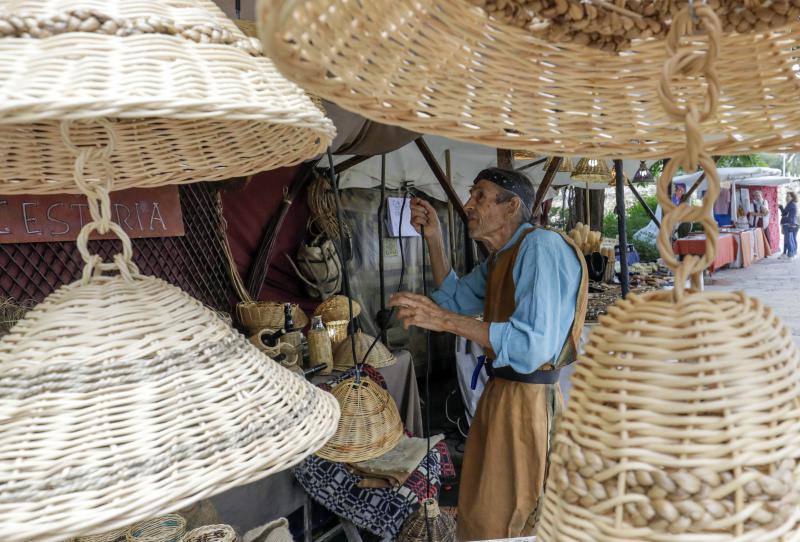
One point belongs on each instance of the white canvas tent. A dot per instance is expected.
(467, 159)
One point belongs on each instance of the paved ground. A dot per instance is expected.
(775, 282)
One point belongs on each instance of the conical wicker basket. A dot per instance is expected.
(446, 67)
(337, 308)
(259, 315)
(415, 529)
(380, 356)
(127, 397)
(211, 533)
(369, 425)
(683, 424)
(191, 97)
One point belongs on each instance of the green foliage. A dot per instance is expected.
(745, 160)
(637, 218)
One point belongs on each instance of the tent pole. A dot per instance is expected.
(621, 223)
(451, 194)
(696, 184)
(544, 186)
(644, 204)
(381, 208)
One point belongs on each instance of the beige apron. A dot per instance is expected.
(505, 461)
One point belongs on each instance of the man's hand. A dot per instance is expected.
(424, 215)
(420, 311)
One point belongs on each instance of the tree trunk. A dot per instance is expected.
(577, 208)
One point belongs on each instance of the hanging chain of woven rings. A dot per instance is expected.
(684, 415)
(97, 192)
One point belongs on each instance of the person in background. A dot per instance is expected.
(677, 194)
(759, 216)
(789, 226)
(532, 291)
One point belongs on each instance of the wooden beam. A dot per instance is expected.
(445, 184)
(344, 165)
(549, 175)
(643, 203)
(622, 225)
(505, 159)
(532, 164)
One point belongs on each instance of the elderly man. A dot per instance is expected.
(532, 293)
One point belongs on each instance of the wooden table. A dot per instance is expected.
(696, 244)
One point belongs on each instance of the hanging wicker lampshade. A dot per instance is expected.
(592, 170)
(379, 356)
(643, 174)
(682, 420)
(536, 75)
(123, 398)
(369, 425)
(564, 167)
(192, 98)
(416, 527)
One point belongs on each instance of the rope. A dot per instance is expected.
(97, 192)
(690, 63)
(95, 22)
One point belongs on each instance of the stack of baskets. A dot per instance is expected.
(335, 313)
(168, 528)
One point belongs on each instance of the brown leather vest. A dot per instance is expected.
(499, 303)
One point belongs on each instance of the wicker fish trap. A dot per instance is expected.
(369, 425)
(169, 528)
(683, 419)
(378, 357)
(191, 96)
(259, 315)
(416, 527)
(211, 533)
(107, 400)
(446, 67)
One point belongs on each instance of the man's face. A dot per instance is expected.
(485, 215)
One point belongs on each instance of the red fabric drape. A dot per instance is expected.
(248, 211)
(773, 232)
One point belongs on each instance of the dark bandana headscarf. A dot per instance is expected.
(513, 181)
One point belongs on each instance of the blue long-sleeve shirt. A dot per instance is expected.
(789, 214)
(547, 276)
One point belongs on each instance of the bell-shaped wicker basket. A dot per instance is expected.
(378, 357)
(369, 425)
(683, 424)
(211, 533)
(337, 308)
(190, 96)
(130, 391)
(415, 528)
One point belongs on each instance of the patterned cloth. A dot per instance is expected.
(379, 511)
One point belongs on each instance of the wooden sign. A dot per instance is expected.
(141, 212)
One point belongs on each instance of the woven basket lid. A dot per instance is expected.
(337, 308)
(192, 98)
(121, 398)
(416, 527)
(379, 356)
(369, 425)
(446, 67)
(683, 423)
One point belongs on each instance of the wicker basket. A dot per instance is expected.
(117, 535)
(338, 330)
(379, 356)
(240, 117)
(415, 528)
(198, 397)
(369, 425)
(337, 308)
(683, 423)
(447, 68)
(258, 315)
(211, 533)
(169, 528)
